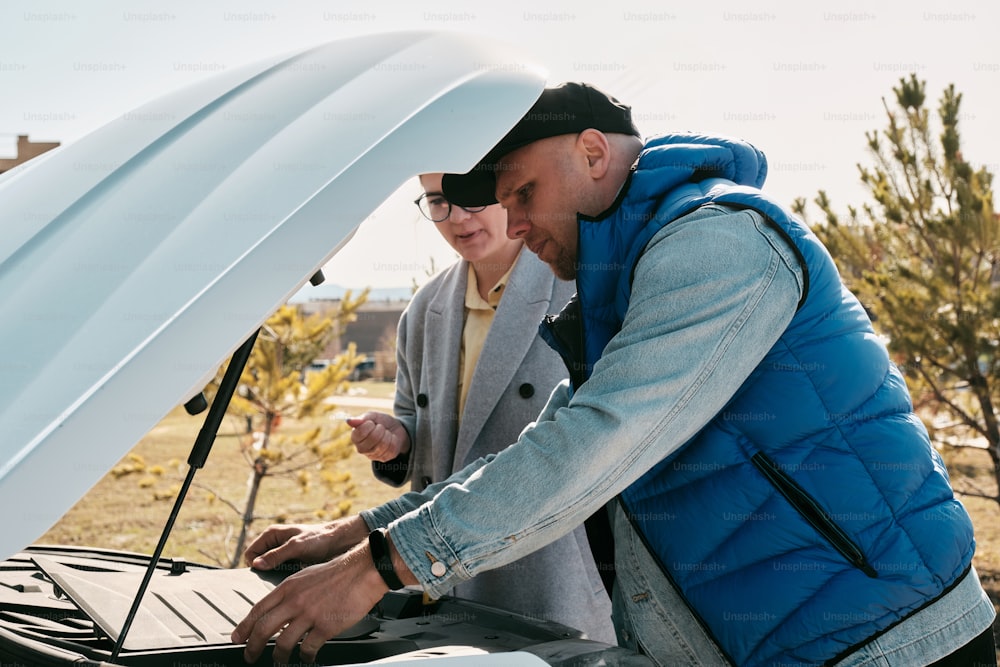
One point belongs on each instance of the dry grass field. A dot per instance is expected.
(121, 514)
(972, 472)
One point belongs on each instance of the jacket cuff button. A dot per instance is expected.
(438, 569)
(526, 390)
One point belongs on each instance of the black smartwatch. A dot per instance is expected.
(379, 544)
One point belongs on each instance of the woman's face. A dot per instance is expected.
(477, 237)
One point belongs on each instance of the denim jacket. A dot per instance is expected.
(647, 395)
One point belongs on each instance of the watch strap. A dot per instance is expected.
(378, 542)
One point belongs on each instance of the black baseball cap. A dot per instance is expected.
(568, 108)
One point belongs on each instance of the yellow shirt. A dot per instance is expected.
(479, 314)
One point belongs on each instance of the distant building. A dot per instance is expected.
(373, 332)
(25, 151)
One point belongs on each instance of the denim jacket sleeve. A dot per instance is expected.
(709, 299)
(383, 515)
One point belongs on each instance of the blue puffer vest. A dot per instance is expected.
(811, 513)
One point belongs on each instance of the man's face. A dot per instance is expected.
(542, 188)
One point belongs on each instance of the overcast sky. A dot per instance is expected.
(802, 81)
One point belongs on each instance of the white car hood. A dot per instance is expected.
(134, 261)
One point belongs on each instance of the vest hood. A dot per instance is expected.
(675, 173)
(670, 161)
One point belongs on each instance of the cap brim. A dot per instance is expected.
(475, 188)
(478, 187)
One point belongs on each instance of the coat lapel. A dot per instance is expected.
(442, 343)
(525, 302)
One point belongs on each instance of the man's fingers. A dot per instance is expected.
(276, 556)
(272, 558)
(311, 645)
(263, 621)
(286, 641)
(263, 555)
(315, 604)
(262, 562)
(275, 536)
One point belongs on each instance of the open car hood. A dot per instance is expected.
(134, 261)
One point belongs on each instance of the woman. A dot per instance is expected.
(472, 372)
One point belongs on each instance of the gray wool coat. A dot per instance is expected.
(512, 381)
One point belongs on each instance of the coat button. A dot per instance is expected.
(526, 390)
(425, 481)
(421, 400)
(438, 569)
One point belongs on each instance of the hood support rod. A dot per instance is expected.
(196, 460)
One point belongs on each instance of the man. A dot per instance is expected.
(775, 500)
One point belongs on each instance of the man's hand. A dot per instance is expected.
(306, 543)
(312, 605)
(379, 436)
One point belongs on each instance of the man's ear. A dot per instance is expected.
(595, 146)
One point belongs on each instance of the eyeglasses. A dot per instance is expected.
(436, 208)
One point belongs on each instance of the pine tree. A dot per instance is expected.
(923, 259)
(277, 386)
